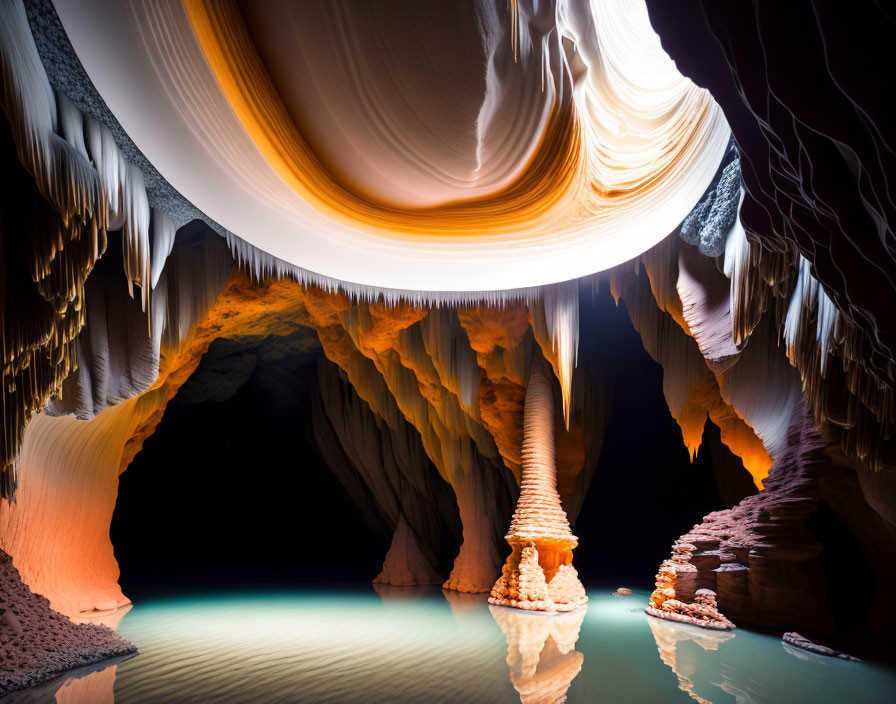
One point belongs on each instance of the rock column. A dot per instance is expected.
(538, 574)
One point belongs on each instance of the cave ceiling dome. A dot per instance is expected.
(454, 146)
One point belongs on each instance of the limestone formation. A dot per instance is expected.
(37, 643)
(538, 574)
(667, 602)
(622, 591)
(779, 328)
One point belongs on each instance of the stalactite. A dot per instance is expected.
(66, 236)
(756, 276)
(692, 391)
(406, 495)
(81, 174)
(163, 232)
(561, 313)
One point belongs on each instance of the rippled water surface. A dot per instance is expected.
(435, 647)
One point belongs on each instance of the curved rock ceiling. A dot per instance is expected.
(463, 149)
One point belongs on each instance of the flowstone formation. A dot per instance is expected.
(538, 574)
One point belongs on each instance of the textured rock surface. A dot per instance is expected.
(797, 641)
(538, 574)
(38, 643)
(815, 158)
(759, 555)
(674, 598)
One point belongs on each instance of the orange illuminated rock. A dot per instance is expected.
(538, 574)
(702, 612)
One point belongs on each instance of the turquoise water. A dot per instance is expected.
(405, 646)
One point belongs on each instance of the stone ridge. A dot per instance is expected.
(37, 643)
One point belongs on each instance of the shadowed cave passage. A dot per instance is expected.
(241, 493)
(645, 491)
(233, 473)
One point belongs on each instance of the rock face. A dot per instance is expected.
(797, 641)
(758, 555)
(666, 601)
(538, 574)
(815, 159)
(37, 643)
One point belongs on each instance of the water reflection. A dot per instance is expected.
(425, 645)
(93, 684)
(685, 664)
(541, 652)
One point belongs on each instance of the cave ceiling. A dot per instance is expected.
(405, 148)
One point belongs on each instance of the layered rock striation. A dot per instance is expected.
(538, 574)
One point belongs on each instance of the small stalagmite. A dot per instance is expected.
(702, 611)
(538, 574)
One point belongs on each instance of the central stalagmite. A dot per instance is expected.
(538, 574)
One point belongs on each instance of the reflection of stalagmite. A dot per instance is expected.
(668, 635)
(541, 653)
(538, 574)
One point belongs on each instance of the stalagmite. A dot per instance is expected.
(405, 563)
(667, 601)
(538, 574)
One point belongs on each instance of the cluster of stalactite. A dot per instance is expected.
(818, 205)
(383, 467)
(456, 374)
(448, 384)
(783, 361)
(54, 230)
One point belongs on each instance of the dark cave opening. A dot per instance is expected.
(243, 499)
(242, 475)
(646, 491)
(845, 570)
